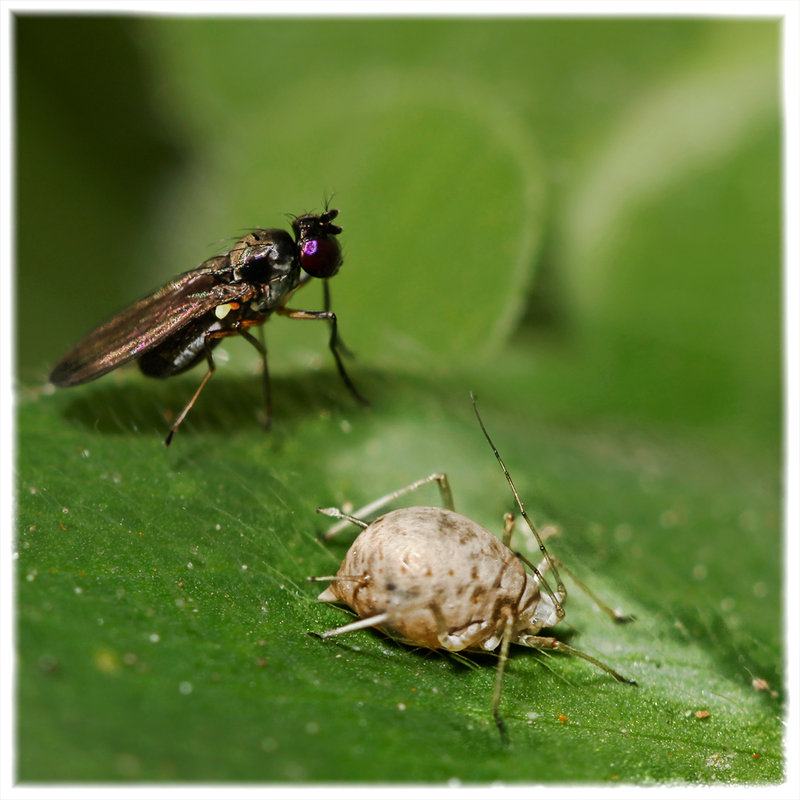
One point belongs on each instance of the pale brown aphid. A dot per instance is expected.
(431, 577)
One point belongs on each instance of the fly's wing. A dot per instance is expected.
(145, 325)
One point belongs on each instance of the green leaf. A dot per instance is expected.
(521, 220)
(164, 610)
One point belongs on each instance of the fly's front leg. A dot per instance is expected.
(326, 298)
(333, 343)
(357, 516)
(326, 304)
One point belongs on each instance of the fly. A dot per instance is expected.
(179, 325)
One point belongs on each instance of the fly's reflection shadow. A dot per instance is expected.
(227, 403)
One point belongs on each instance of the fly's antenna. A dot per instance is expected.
(560, 588)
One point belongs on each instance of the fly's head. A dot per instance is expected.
(319, 249)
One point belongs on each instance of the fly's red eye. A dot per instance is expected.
(321, 258)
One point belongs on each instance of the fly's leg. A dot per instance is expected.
(240, 329)
(188, 406)
(356, 518)
(262, 349)
(549, 643)
(333, 343)
(326, 302)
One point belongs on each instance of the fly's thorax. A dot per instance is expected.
(264, 255)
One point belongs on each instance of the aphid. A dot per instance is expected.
(178, 326)
(430, 577)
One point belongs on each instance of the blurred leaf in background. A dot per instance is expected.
(578, 219)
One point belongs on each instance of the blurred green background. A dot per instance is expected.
(579, 219)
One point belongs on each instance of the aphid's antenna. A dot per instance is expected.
(560, 588)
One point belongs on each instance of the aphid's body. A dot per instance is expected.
(430, 577)
(444, 581)
(177, 326)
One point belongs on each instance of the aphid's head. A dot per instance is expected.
(536, 609)
(320, 251)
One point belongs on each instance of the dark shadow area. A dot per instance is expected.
(232, 403)
(742, 660)
(547, 312)
(94, 150)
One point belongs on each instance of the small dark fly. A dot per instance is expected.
(178, 326)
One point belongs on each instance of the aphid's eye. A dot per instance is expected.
(321, 258)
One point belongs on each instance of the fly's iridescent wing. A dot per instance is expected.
(145, 324)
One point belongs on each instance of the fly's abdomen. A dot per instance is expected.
(183, 350)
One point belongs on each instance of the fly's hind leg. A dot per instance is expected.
(239, 328)
(188, 406)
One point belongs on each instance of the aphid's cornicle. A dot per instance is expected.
(431, 577)
(177, 326)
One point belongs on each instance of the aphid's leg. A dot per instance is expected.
(549, 643)
(604, 607)
(446, 640)
(321, 578)
(508, 631)
(375, 505)
(508, 528)
(359, 624)
(475, 635)
(187, 407)
(333, 343)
